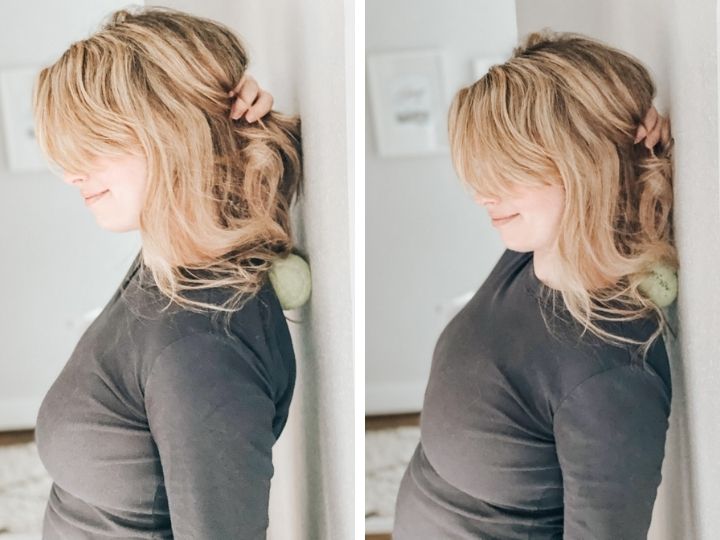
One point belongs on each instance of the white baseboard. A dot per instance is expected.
(394, 398)
(16, 414)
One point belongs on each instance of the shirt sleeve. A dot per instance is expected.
(210, 410)
(610, 438)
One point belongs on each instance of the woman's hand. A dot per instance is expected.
(252, 101)
(653, 128)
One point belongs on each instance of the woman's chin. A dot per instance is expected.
(513, 243)
(118, 227)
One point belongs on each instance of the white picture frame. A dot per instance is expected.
(408, 102)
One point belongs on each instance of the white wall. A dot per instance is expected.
(301, 53)
(56, 263)
(678, 42)
(426, 240)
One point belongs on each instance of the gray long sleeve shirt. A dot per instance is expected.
(160, 426)
(531, 434)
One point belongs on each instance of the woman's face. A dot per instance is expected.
(121, 183)
(536, 213)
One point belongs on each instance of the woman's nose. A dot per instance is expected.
(484, 201)
(71, 178)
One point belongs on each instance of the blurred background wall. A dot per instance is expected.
(427, 241)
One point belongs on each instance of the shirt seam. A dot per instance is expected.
(162, 351)
(578, 385)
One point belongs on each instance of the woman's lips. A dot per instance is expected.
(91, 200)
(502, 221)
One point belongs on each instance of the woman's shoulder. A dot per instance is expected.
(598, 356)
(256, 335)
(250, 318)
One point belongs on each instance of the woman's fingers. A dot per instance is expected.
(251, 100)
(652, 138)
(641, 132)
(653, 129)
(661, 132)
(665, 136)
(238, 108)
(249, 91)
(261, 107)
(647, 124)
(245, 93)
(235, 90)
(651, 119)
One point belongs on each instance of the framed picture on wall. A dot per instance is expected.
(408, 102)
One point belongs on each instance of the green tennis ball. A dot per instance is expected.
(290, 277)
(661, 286)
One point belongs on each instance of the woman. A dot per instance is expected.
(162, 423)
(547, 406)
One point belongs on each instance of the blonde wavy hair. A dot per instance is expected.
(564, 110)
(154, 82)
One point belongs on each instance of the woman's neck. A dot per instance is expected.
(545, 268)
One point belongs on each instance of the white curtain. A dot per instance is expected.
(302, 52)
(678, 41)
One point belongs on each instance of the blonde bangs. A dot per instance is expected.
(77, 119)
(485, 139)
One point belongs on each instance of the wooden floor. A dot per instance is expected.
(384, 422)
(391, 421)
(16, 437)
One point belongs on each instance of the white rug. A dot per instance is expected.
(24, 491)
(387, 453)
